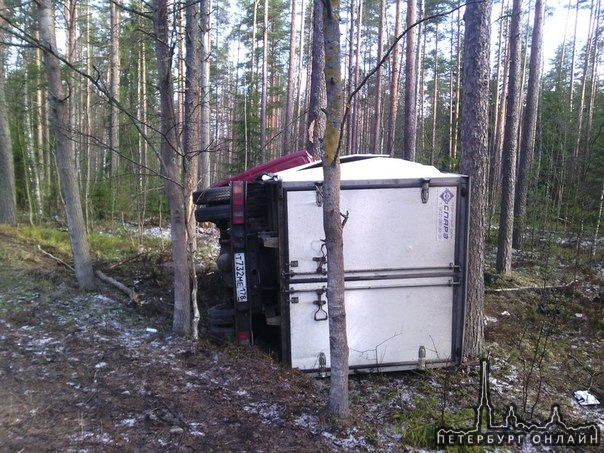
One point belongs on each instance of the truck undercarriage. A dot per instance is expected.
(405, 249)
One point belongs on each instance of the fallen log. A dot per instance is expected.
(531, 288)
(128, 291)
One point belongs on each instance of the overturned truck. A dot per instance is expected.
(405, 228)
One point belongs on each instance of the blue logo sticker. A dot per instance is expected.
(447, 196)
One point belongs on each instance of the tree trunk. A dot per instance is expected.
(301, 126)
(529, 127)
(288, 135)
(353, 125)
(502, 71)
(510, 147)
(376, 145)
(455, 92)
(580, 149)
(318, 101)
(264, 94)
(421, 82)
(394, 82)
(114, 87)
(8, 202)
(474, 158)
(192, 144)
(143, 146)
(594, 246)
(178, 22)
(205, 94)
(171, 157)
(88, 124)
(594, 61)
(410, 133)
(338, 342)
(41, 125)
(29, 149)
(434, 97)
(72, 116)
(571, 85)
(64, 149)
(355, 122)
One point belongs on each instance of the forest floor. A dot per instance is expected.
(92, 372)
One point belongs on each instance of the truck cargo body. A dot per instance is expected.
(405, 239)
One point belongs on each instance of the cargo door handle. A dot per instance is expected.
(320, 314)
(321, 263)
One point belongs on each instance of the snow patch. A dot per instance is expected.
(129, 422)
(267, 412)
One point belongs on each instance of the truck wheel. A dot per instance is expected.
(213, 213)
(221, 314)
(222, 330)
(212, 195)
(221, 319)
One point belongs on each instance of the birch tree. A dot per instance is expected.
(192, 144)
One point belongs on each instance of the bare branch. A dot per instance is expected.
(123, 288)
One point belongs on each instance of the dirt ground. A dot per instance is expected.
(95, 372)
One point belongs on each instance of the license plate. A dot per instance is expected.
(240, 277)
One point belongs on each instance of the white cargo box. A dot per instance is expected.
(405, 241)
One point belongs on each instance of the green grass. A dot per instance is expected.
(104, 246)
(430, 412)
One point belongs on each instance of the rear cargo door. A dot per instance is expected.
(403, 271)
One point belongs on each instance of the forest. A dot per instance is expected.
(112, 114)
(236, 80)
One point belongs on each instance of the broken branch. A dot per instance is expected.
(129, 292)
(58, 260)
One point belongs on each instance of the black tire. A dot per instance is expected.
(221, 319)
(213, 213)
(213, 195)
(221, 330)
(223, 313)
